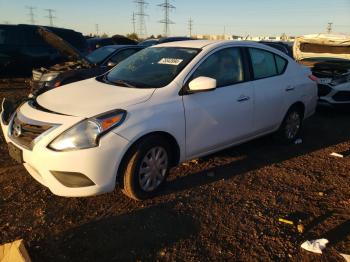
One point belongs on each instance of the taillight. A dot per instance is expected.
(313, 78)
(58, 83)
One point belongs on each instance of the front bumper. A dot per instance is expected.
(99, 164)
(334, 96)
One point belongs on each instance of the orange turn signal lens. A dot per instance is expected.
(107, 123)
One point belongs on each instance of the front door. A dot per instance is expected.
(218, 118)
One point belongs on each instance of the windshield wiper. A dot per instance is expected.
(122, 82)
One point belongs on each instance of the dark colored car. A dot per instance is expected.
(285, 47)
(78, 67)
(150, 42)
(22, 48)
(97, 42)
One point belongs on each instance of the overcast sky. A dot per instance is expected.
(254, 17)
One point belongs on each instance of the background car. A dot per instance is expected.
(285, 47)
(97, 42)
(94, 64)
(22, 48)
(164, 105)
(328, 56)
(150, 42)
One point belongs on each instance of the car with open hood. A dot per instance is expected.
(78, 67)
(22, 48)
(164, 105)
(328, 56)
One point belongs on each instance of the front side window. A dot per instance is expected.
(225, 66)
(122, 55)
(152, 67)
(263, 63)
(100, 54)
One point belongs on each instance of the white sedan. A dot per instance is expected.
(162, 106)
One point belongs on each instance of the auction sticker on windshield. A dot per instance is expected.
(170, 61)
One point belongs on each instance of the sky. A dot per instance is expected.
(237, 17)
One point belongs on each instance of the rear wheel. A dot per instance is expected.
(291, 125)
(146, 168)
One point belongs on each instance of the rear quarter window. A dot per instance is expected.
(266, 64)
(281, 64)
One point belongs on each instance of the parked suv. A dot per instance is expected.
(22, 48)
(162, 106)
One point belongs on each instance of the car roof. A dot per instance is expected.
(121, 46)
(208, 43)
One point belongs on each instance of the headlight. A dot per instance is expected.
(49, 76)
(86, 134)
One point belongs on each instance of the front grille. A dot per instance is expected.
(36, 75)
(323, 90)
(24, 133)
(342, 96)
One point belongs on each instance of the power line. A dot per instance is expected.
(140, 14)
(133, 20)
(329, 28)
(190, 26)
(167, 7)
(51, 15)
(31, 14)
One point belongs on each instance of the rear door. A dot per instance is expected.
(270, 88)
(223, 116)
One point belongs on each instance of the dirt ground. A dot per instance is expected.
(224, 207)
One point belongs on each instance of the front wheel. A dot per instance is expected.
(146, 168)
(291, 126)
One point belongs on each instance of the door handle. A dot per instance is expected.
(290, 88)
(243, 98)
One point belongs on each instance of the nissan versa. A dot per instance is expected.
(164, 105)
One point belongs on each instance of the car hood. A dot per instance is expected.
(90, 97)
(322, 46)
(62, 46)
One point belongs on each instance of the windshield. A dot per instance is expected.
(100, 54)
(152, 67)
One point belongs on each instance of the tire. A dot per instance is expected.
(134, 176)
(291, 126)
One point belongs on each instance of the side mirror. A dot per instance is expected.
(111, 64)
(202, 84)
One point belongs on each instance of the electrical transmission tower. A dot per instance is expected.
(31, 14)
(50, 15)
(133, 20)
(167, 7)
(190, 26)
(329, 28)
(141, 6)
(97, 29)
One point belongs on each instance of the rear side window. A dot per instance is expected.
(2, 36)
(281, 64)
(266, 64)
(8, 37)
(263, 63)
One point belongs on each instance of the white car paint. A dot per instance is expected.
(201, 123)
